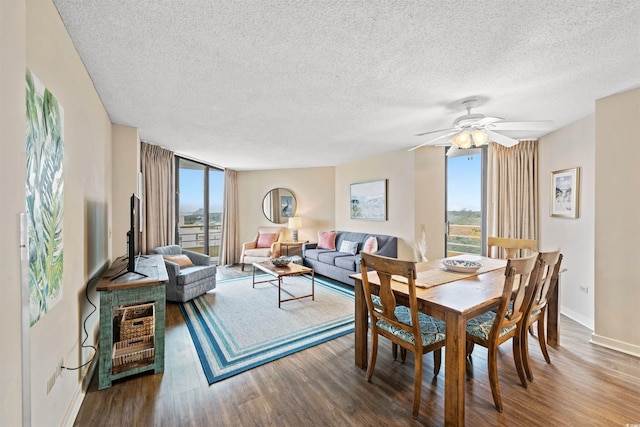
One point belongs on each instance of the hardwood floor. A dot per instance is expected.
(585, 385)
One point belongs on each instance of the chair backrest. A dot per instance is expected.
(516, 294)
(547, 278)
(385, 268)
(168, 250)
(510, 246)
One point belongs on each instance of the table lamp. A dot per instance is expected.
(295, 223)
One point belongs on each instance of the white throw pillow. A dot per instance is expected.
(350, 247)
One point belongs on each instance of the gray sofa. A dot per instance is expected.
(187, 283)
(340, 265)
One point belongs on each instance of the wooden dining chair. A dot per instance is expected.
(547, 281)
(402, 325)
(493, 328)
(509, 246)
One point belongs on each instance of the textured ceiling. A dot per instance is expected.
(277, 84)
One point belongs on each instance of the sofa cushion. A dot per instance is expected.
(347, 262)
(327, 240)
(349, 246)
(329, 257)
(182, 260)
(265, 240)
(193, 274)
(258, 252)
(315, 253)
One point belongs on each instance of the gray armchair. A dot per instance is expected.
(187, 282)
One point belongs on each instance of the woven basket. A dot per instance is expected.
(132, 353)
(137, 321)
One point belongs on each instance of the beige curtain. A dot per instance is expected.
(229, 246)
(157, 166)
(512, 191)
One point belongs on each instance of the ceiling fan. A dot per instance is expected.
(475, 130)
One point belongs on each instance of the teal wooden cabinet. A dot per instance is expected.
(119, 357)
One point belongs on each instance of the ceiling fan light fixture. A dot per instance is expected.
(462, 140)
(480, 137)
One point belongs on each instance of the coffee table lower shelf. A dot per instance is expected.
(278, 273)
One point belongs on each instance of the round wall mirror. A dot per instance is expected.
(279, 205)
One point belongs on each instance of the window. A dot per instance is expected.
(466, 202)
(199, 205)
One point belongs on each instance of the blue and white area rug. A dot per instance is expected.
(236, 327)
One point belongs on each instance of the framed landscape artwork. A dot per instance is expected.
(369, 200)
(565, 191)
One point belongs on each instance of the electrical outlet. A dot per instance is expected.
(52, 379)
(583, 288)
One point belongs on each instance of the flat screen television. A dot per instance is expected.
(134, 238)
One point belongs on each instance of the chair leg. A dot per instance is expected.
(373, 354)
(541, 338)
(470, 345)
(437, 361)
(394, 350)
(526, 361)
(417, 385)
(518, 356)
(493, 377)
(403, 354)
(242, 266)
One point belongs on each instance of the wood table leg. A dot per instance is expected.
(454, 372)
(360, 325)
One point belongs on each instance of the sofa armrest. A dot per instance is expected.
(306, 246)
(390, 248)
(197, 258)
(249, 245)
(173, 270)
(275, 250)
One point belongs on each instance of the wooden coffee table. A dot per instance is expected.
(280, 272)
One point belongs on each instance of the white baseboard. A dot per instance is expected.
(584, 321)
(78, 395)
(621, 346)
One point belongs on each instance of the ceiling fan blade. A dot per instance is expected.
(488, 120)
(501, 139)
(434, 131)
(452, 150)
(441, 140)
(537, 125)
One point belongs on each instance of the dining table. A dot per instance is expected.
(454, 297)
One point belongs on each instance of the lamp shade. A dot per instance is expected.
(295, 222)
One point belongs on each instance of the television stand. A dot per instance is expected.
(119, 356)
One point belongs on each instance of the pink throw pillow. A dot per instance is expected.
(370, 245)
(327, 240)
(266, 240)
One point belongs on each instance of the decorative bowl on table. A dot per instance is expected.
(280, 262)
(461, 265)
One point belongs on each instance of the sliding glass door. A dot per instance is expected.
(466, 202)
(199, 204)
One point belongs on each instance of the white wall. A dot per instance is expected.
(617, 227)
(126, 163)
(415, 197)
(51, 56)
(12, 170)
(312, 187)
(569, 147)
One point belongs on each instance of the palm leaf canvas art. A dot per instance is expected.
(44, 193)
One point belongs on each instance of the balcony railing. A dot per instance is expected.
(191, 237)
(465, 239)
